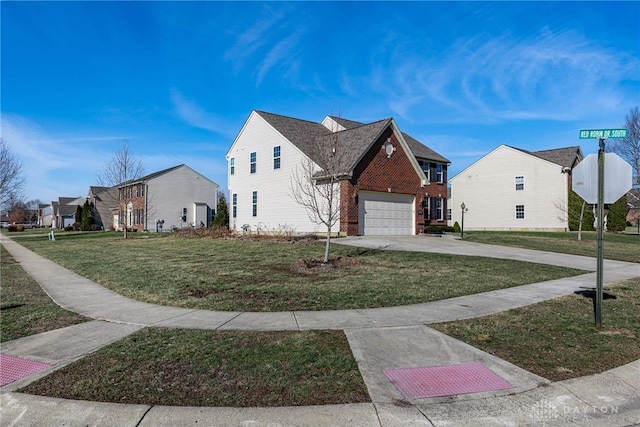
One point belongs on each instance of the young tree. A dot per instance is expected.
(617, 216)
(87, 216)
(11, 179)
(222, 213)
(123, 168)
(629, 147)
(315, 184)
(77, 224)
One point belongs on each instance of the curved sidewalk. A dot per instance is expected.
(381, 339)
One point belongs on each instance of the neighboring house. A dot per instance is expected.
(633, 201)
(45, 215)
(64, 211)
(514, 189)
(389, 182)
(103, 199)
(176, 197)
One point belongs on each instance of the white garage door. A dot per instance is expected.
(385, 214)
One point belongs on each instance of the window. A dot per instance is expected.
(519, 183)
(519, 211)
(448, 214)
(425, 167)
(184, 215)
(439, 206)
(232, 164)
(255, 203)
(234, 204)
(439, 172)
(276, 157)
(138, 215)
(253, 162)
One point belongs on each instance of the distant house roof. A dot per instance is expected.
(566, 157)
(160, 173)
(355, 139)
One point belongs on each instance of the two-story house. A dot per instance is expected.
(389, 183)
(514, 189)
(176, 197)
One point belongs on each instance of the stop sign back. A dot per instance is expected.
(617, 178)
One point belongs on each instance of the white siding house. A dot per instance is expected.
(181, 197)
(513, 189)
(260, 181)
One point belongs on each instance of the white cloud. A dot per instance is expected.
(551, 76)
(196, 116)
(54, 165)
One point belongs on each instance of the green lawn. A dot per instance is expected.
(557, 339)
(617, 246)
(25, 309)
(273, 275)
(213, 368)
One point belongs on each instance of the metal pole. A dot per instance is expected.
(600, 254)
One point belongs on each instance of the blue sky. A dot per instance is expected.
(178, 79)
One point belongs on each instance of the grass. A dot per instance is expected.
(617, 246)
(213, 368)
(270, 275)
(25, 309)
(557, 339)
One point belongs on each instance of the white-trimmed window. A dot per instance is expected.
(252, 162)
(439, 174)
(519, 183)
(232, 164)
(234, 205)
(254, 203)
(439, 207)
(425, 167)
(276, 157)
(519, 211)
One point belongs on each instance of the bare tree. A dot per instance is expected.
(315, 184)
(629, 147)
(123, 168)
(11, 179)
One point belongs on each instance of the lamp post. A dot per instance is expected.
(462, 206)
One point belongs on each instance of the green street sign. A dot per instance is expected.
(603, 133)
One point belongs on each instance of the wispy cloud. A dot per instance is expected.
(283, 53)
(54, 165)
(270, 41)
(196, 116)
(550, 76)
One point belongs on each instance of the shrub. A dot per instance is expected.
(456, 227)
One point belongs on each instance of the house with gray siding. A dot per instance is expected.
(177, 197)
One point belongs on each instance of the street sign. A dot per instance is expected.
(617, 178)
(603, 133)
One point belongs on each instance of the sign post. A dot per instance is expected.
(618, 185)
(600, 250)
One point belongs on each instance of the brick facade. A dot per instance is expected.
(388, 174)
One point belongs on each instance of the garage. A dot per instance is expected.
(385, 214)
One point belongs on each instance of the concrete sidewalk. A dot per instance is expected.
(381, 339)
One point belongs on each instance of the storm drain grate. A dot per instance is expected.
(14, 368)
(433, 381)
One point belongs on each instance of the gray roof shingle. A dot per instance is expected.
(355, 140)
(565, 157)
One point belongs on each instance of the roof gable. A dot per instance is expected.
(355, 139)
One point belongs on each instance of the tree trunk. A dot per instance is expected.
(580, 223)
(326, 249)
